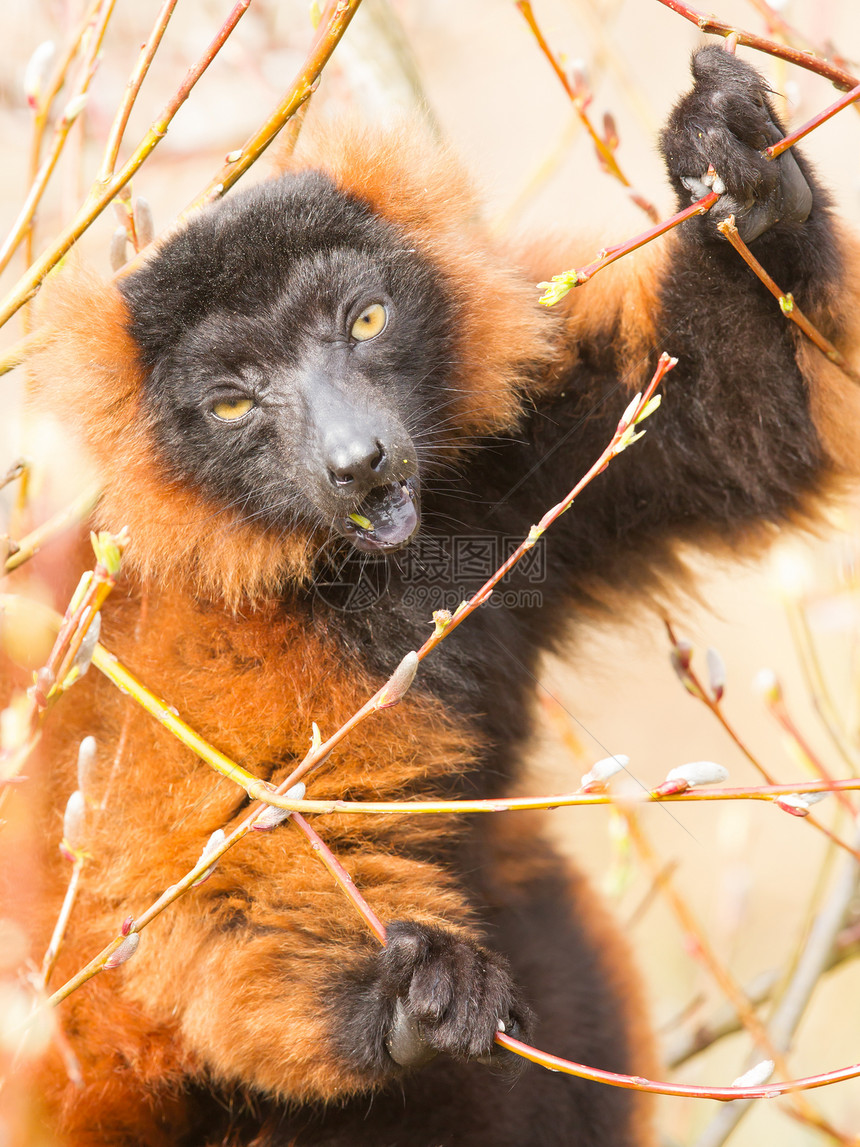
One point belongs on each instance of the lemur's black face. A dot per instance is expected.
(297, 351)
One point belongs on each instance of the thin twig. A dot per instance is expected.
(778, 25)
(779, 710)
(559, 285)
(42, 101)
(817, 685)
(689, 1043)
(20, 351)
(605, 152)
(640, 1083)
(786, 301)
(71, 515)
(839, 77)
(792, 138)
(341, 876)
(16, 470)
(66, 122)
(59, 932)
(124, 680)
(63, 666)
(697, 690)
(97, 201)
(147, 54)
(329, 35)
(813, 963)
(733, 992)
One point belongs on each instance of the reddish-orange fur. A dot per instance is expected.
(250, 678)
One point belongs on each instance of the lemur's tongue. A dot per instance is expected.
(385, 520)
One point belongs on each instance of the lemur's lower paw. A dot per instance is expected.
(724, 124)
(430, 991)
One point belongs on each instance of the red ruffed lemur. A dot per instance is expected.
(308, 385)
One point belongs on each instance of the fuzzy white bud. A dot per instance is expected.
(74, 108)
(86, 764)
(144, 224)
(716, 672)
(767, 684)
(399, 682)
(73, 820)
(125, 951)
(272, 816)
(601, 771)
(209, 848)
(699, 773)
(36, 71)
(756, 1076)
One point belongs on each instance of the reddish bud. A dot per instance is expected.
(670, 788)
(797, 803)
(579, 81)
(681, 656)
(610, 131)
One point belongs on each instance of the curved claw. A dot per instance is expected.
(404, 1041)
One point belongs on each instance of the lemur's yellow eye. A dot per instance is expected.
(230, 411)
(370, 322)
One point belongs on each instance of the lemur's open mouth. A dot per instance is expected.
(386, 519)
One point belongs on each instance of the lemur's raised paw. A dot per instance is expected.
(724, 124)
(430, 991)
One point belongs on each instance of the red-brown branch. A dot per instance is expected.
(610, 254)
(605, 153)
(838, 76)
(787, 304)
(793, 136)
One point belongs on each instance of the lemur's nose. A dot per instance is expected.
(353, 458)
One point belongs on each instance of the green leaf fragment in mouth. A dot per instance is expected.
(360, 520)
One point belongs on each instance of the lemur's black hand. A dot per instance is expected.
(430, 991)
(726, 121)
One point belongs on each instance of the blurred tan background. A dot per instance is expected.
(753, 875)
